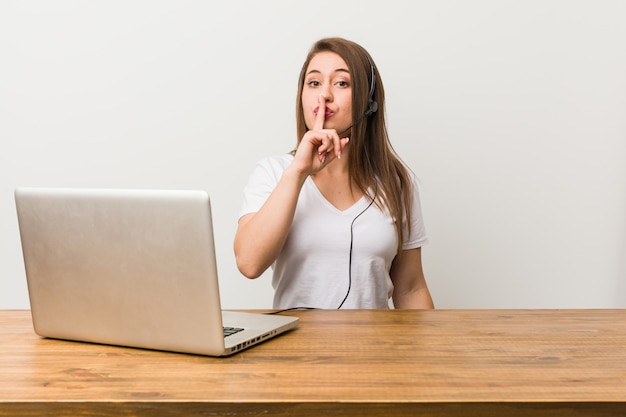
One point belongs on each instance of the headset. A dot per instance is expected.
(372, 106)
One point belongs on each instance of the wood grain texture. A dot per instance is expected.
(359, 362)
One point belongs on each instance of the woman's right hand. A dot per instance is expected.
(318, 146)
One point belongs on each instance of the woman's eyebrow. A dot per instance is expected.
(315, 71)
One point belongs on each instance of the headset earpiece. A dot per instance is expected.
(372, 106)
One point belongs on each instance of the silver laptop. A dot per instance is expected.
(132, 268)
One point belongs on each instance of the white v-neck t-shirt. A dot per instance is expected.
(314, 268)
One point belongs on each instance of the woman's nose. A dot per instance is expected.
(326, 94)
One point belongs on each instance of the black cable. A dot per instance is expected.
(367, 156)
(292, 308)
(350, 252)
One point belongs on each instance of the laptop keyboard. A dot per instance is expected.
(231, 330)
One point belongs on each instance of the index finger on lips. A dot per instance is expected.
(321, 113)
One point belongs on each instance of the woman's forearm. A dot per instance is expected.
(260, 236)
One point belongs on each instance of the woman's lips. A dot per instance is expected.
(327, 113)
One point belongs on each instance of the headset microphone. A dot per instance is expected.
(350, 127)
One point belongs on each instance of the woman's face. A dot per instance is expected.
(327, 75)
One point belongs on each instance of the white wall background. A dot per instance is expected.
(512, 113)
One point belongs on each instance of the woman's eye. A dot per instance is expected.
(313, 83)
(343, 84)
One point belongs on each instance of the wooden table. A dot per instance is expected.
(391, 363)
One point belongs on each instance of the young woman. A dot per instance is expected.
(338, 219)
